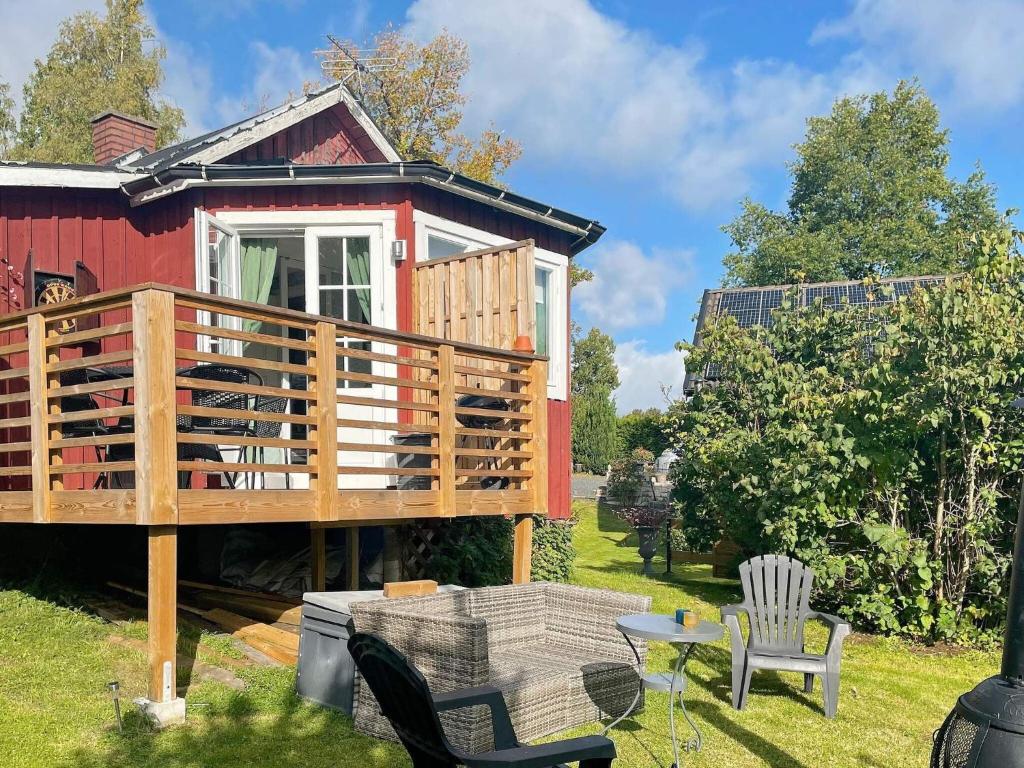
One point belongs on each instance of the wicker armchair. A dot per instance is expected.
(551, 649)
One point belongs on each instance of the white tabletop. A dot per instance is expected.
(655, 626)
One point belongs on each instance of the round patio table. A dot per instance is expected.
(662, 628)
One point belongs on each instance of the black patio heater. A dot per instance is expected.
(986, 727)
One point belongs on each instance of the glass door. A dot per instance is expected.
(344, 280)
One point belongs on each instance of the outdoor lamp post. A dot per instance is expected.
(986, 727)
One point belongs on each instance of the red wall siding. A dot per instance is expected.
(332, 137)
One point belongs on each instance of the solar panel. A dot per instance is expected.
(754, 307)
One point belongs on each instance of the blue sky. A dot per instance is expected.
(656, 118)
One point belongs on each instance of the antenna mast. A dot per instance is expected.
(353, 65)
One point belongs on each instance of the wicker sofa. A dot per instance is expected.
(552, 649)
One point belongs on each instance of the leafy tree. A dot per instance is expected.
(96, 64)
(594, 377)
(8, 125)
(870, 196)
(878, 445)
(641, 429)
(593, 431)
(593, 364)
(418, 104)
(578, 274)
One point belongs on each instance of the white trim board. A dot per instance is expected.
(33, 176)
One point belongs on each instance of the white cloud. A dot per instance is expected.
(974, 50)
(584, 88)
(630, 288)
(647, 377)
(277, 74)
(26, 33)
(188, 83)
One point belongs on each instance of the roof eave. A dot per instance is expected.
(177, 178)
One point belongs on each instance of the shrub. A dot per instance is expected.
(553, 550)
(877, 445)
(641, 429)
(477, 552)
(627, 477)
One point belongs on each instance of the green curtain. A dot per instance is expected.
(259, 265)
(359, 274)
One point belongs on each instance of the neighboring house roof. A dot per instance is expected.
(211, 160)
(754, 306)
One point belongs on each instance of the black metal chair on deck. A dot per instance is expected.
(405, 700)
(213, 397)
(267, 430)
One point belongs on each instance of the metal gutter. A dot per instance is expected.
(175, 179)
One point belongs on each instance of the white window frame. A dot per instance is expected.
(555, 264)
(204, 223)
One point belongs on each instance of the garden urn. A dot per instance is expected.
(648, 536)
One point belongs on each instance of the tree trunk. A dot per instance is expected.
(940, 513)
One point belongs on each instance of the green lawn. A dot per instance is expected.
(55, 662)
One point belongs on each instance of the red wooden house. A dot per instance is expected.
(379, 301)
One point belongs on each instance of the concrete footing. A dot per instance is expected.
(162, 713)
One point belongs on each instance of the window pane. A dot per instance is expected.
(358, 365)
(541, 296)
(332, 303)
(359, 305)
(331, 255)
(440, 247)
(218, 254)
(358, 260)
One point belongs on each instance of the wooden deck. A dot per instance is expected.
(349, 390)
(324, 454)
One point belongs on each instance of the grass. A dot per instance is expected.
(56, 659)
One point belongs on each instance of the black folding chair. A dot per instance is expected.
(227, 426)
(405, 700)
(270, 430)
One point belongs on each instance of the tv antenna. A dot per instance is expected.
(349, 64)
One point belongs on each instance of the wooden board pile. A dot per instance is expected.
(267, 623)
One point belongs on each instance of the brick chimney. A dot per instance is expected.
(114, 134)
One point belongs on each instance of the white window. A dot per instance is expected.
(438, 238)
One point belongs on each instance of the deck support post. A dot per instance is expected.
(318, 554)
(353, 557)
(522, 549)
(162, 705)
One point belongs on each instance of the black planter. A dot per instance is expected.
(648, 546)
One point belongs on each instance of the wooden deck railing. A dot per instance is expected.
(108, 415)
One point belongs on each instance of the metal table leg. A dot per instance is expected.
(679, 676)
(639, 688)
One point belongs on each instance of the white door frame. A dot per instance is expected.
(379, 225)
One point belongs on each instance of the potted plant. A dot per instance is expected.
(628, 482)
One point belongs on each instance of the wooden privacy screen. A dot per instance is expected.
(481, 297)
